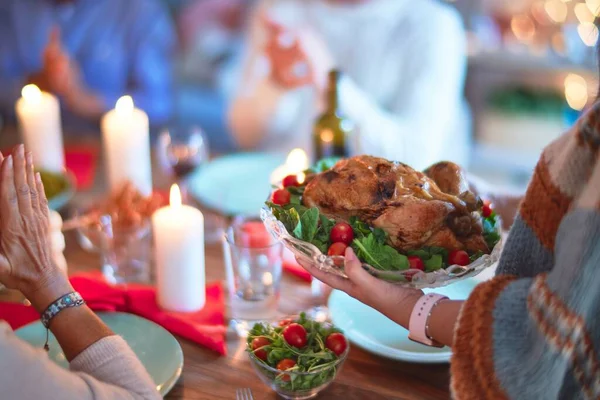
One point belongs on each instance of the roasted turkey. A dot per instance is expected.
(416, 209)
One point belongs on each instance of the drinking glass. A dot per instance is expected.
(183, 150)
(253, 261)
(125, 252)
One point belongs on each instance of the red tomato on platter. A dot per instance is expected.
(337, 343)
(342, 232)
(281, 197)
(285, 322)
(416, 263)
(459, 257)
(290, 180)
(257, 343)
(486, 210)
(284, 365)
(337, 249)
(295, 335)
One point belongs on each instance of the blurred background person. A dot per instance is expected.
(211, 36)
(89, 53)
(403, 66)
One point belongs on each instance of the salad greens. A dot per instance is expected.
(369, 244)
(314, 357)
(491, 231)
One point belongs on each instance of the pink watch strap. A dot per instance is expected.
(417, 325)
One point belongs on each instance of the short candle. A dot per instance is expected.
(179, 255)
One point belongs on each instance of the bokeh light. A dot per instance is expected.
(576, 91)
(523, 27)
(583, 13)
(588, 33)
(593, 5)
(557, 10)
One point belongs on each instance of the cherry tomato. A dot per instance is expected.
(337, 249)
(486, 210)
(342, 232)
(459, 257)
(284, 365)
(416, 263)
(285, 322)
(281, 197)
(295, 335)
(257, 343)
(336, 342)
(290, 180)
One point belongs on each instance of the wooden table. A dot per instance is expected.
(208, 376)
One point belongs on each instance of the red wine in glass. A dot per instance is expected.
(184, 160)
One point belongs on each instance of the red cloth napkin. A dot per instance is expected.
(292, 267)
(205, 327)
(82, 162)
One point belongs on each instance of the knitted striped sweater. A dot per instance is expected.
(533, 332)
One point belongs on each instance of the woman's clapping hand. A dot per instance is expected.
(25, 255)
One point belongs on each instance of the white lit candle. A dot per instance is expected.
(295, 164)
(179, 255)
(38, 114)
(126, 140)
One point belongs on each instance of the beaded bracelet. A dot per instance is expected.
(69, 300)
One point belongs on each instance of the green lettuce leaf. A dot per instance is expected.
(434, 263)
(309, 223)
(378, 255)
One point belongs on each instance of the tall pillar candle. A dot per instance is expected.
(38, 115)
(179, 255)
(126, 141)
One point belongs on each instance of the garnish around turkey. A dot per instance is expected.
(394, 217)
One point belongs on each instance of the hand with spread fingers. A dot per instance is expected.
(25, 254)
(393, 301)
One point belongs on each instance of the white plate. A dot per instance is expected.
(375, 333)
(236, 184)
(157, 349)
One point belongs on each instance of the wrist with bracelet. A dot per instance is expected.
(69, 300)
(419, 319)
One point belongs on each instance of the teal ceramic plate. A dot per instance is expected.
(375, 333)
(156, 348)
(236, 184)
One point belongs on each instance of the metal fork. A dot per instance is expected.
(243, 394)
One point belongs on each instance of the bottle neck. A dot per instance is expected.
(332, 94)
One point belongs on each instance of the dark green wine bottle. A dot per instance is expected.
(332, 130)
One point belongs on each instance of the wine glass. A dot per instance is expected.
(183, 151)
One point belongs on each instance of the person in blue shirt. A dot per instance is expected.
(89, 53)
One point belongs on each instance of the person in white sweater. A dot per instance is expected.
(102, 366)
(403, 64)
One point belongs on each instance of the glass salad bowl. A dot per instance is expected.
(296, 385)
(412, 278)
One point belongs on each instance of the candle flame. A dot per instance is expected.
(301, 178)
(124, 105)
(31, 93)
(297, 161)
(175, 196)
